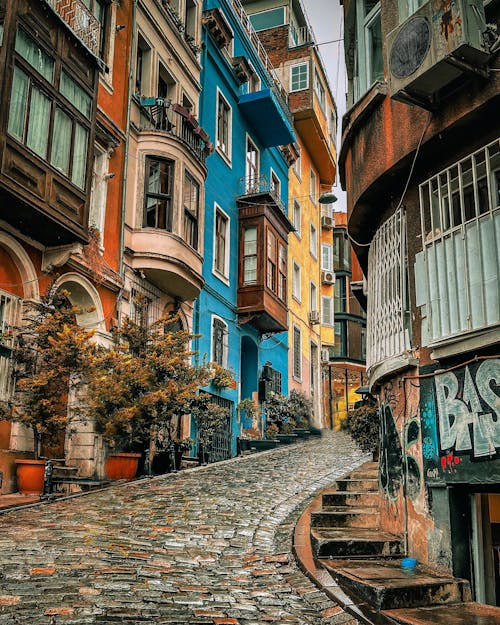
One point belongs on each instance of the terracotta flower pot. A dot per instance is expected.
(30, 474)
(121, 466)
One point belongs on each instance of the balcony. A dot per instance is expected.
(166, 260)
(263, 232)
(159, 115)
(81, 21)
(300, 36)
(270, 119)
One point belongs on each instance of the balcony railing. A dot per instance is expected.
(257, 185)
(81, 21)
(274, 82)
(175, 120)
(299, 36)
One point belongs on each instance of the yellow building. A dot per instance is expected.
(288, 39)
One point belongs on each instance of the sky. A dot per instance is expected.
(325, 17)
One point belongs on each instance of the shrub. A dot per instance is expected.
(363, 424)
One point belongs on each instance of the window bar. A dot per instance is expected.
(466, 262)
(477, 220)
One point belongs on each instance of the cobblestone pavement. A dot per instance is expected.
(210, 545)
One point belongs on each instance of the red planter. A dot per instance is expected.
(30, 474)
(121, 466)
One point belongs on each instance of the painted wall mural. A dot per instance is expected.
(460, 416)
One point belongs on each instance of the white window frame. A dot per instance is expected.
(252, 170)
(268, 11)
(363, 79)
(297, 166)
(327, 306)
(297, 226)
(99, 191)
(275, 183)
(313, 241)
(296, 281)
(313, 296)
(319, 90)
(225, 342)
(299, 88)
(225, 153)
(297, 332)
(327, 250)
(222, 276)
(313, 185)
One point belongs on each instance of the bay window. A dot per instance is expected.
(282, 273)
(250, 255)
(221, 243)
(191, 198)
(271, 261)
(158, 209)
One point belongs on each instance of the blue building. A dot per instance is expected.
(241, 313)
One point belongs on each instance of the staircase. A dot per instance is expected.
(365, 562)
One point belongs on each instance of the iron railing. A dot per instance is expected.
(81, 21)
(219, 446)
(10, 315)
(299, 36)
(159, 114)
(256, 185)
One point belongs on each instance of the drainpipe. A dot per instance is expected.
(127, 139)
(330, 395)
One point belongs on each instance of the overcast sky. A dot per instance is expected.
(325, 17)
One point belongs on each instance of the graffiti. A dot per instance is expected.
(391, 456)
(413, 478)
(468, 409)
(449, 22)
(412, 432)
(449, 462)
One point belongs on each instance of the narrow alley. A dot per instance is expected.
(210, 545)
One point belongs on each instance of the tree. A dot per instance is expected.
(50, 358)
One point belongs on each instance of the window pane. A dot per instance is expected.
(38, 123)
(268, 19)
(17, 113)
(250, 269)
(61, 142)
(76, 95)
(250, 241)
(375, 50)
(80, 156)
(35, 56)
(299, 77)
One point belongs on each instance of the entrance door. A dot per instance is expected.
(485, 515)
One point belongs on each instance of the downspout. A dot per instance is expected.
(127, 139)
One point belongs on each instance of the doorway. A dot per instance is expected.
(485, 547)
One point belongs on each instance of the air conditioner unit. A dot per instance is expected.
(314, 317)
(433, 48)
(325, 355)
(328, 223)
(328, 277)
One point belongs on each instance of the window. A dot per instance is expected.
(191, 196)
(254, 83)
(408, 7)
(297, 166)
(190, 20)
(327, 310)
(299, 77)
(319, 90)
(10, 314)
(65, 144)
(297, 353)
(297, 218)
(339, 291)
(326, 257)
(99, 190)
(341, 251)
(219, 342)
(387, 327)
(312, 186)
(158, 209)
(370, 64)
(1, 33)
(268, 19)
(166, 84)
(313, 300)
(333, 126)
(223, 126)
(296, 281)
(252, 167)
(271, 261)
(340, 345)
(221, 243)
(457, 275)
(313, 241)
(275, 185)
(99, 9)
(282, 259)
(250, 255)
(142, 67)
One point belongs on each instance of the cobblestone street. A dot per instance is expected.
(210, 545)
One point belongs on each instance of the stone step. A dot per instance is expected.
(368, 470)
(64, 471)
(354, 542)
(351, 498)
(385, 585)
(345, 516)
(357, 485)
(469, 613)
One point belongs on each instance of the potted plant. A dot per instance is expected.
(181, 446)
(300, 407)
(248, 412)
(363, 424)
(221, 377)
(50, 358)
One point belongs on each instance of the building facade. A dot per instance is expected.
(241, 314)
(420, 160)
(288, 38)
(62, 142)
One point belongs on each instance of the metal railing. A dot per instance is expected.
(81, 21)
(256, 185)
(299, 36)
(274, 82)
(174, 120)
(10, 315)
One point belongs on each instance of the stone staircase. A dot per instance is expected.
(365, 561)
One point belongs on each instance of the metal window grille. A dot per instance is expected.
(83, 22)
(145, 308)
(297, 360)
(386, 320)
(10, 315)
(219, 447)
(458, 271)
